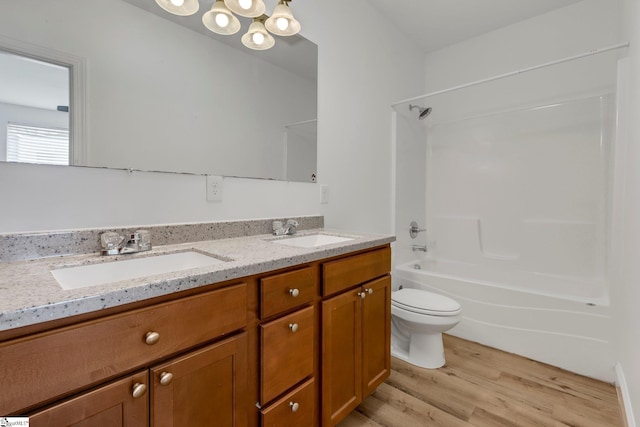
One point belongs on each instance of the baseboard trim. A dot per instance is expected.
(624, 397)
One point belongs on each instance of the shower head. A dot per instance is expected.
(423, 112)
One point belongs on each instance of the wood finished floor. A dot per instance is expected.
(482, 386)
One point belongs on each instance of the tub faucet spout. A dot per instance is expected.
(419, 248)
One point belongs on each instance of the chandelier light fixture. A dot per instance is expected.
(222, 19)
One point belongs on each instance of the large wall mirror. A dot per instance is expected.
(155, 92)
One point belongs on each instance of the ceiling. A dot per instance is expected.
(434, 24)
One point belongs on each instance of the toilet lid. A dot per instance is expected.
(425, 302)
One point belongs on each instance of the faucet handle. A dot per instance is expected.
(144, 239)
(110, 241)
(292, 222)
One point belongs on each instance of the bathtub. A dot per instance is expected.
(557, 320)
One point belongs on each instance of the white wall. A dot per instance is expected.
(625, 275)
(372, 67)
(360, 73)
(571, 30)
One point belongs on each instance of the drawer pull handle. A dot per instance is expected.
(294, 292)
(293, 327)
(166, 378)
(294, 406)
(139, 390)
(151, 338)
(362, 295)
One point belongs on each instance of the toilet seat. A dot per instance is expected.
(425, 302)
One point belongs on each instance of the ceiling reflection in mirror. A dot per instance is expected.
(162, 93)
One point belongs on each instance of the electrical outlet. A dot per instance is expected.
(215, 187)
(324, 194)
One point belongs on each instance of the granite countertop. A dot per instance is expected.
(29, 294)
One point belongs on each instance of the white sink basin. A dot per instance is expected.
(115, 271)
(311, 240)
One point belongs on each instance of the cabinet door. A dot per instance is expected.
(376, 334)
(206, 387)
(341, 356)
(113, 404)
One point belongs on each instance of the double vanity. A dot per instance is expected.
(246, 330)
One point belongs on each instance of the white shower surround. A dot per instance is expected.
(525, 190)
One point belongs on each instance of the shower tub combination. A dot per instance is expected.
(515, 198)
(510, 312)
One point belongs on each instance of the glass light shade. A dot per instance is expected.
(213, 21)
(250, 41)
(257, 8)
(275, 25)
(188, 7)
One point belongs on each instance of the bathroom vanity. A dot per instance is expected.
(275, 336)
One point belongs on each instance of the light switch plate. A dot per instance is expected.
(215, 188)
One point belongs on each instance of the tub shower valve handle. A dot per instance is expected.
(414, 229)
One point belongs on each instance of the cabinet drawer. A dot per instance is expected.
(287, 353)
(354, 270)
(286, 291)
(296, 409)
(43, 366)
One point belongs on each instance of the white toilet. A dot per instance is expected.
(418, 320)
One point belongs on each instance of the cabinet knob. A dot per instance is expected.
(166, 378)
(294, 292)
(139, 390)
(293, 327)
(369, 291)
(294, 406)
(151, 338)
(362, 295)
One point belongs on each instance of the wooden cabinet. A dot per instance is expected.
(205, 387)
(122, 403)
(288, 349)
(44, 366)
(203, 381)
(287, 352)
(296, 409)
(376, 334)
(298, 347)
(285, 291)
(356, 331)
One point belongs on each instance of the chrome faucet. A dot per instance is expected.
(115, 244)
(289, 228)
